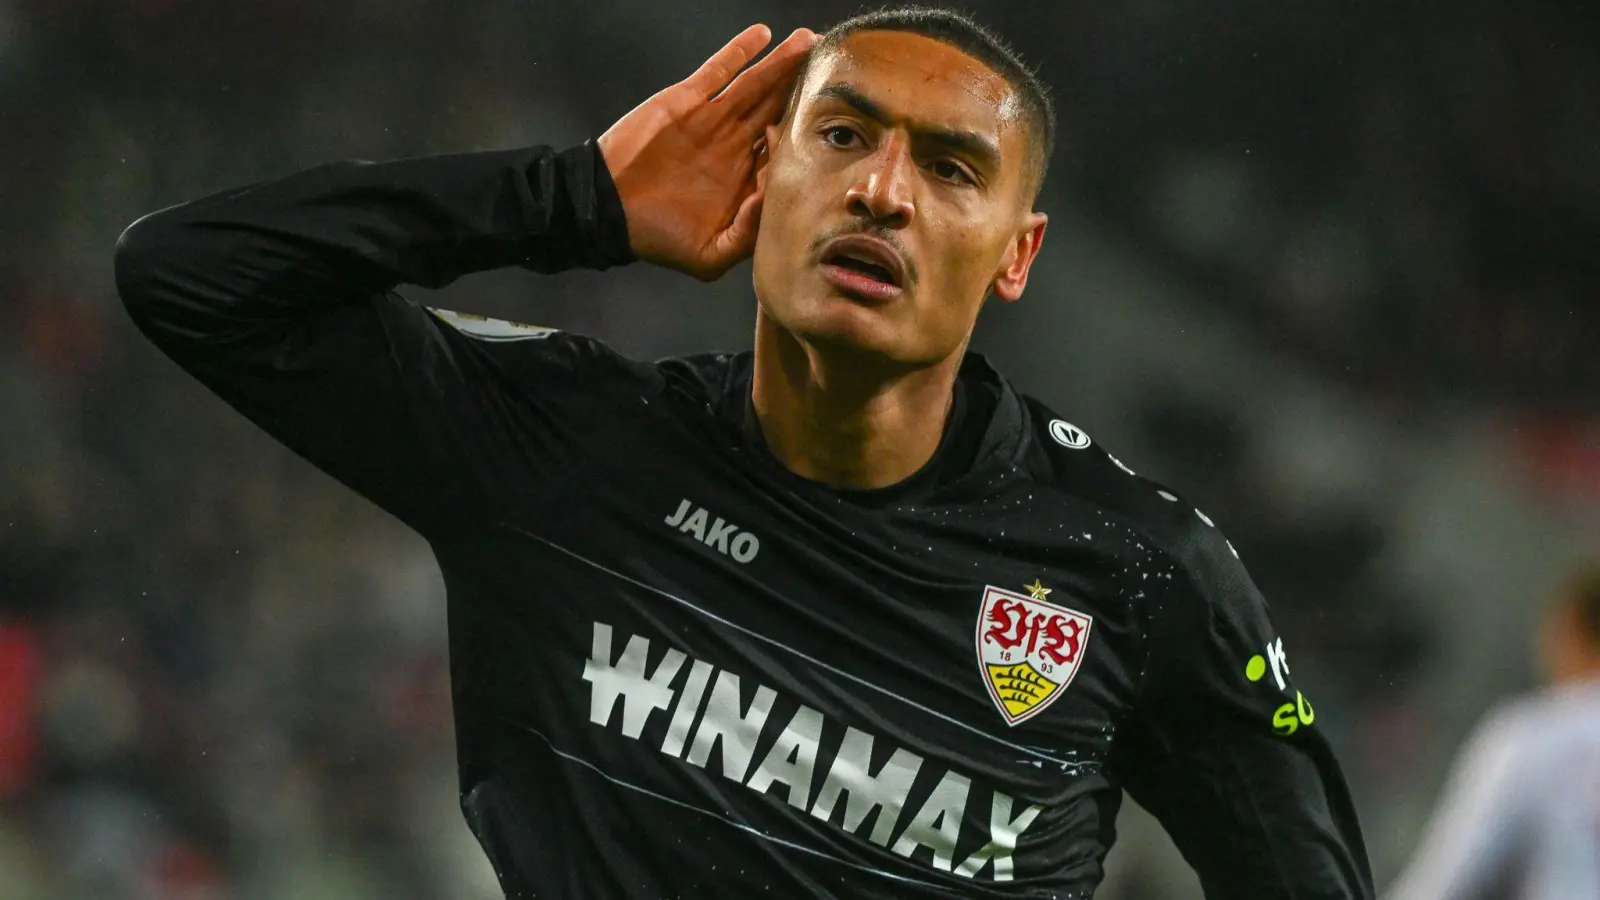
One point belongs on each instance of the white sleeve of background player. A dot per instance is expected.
(1477, 824)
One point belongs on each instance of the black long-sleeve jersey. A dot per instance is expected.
(680, 670)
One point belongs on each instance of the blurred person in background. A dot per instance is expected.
(582, 505)
(1520, 817)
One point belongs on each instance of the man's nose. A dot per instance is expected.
(883, 191)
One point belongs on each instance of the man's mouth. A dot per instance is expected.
(864, 267)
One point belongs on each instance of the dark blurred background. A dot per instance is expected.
(1331, 269)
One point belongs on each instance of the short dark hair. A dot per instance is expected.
(959, 31)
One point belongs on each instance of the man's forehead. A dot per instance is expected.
(921, 77)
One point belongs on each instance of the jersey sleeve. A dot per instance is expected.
(280, 298)
(1225, 748)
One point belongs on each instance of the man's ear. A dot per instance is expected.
(764, 153)
(1012, 277)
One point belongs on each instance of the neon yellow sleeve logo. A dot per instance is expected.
(1288, 718)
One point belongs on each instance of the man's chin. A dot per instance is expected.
(841, 324)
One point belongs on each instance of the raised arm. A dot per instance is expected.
(280, 296)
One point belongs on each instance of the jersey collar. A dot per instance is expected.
(1002, 446)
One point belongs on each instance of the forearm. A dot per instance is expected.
(215, 268)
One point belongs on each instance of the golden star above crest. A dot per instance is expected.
(1037, 590)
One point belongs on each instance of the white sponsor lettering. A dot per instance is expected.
(791, 760)
(717, 533)
(641, 696)
(886, 791)
(938, 823)
(725, 724)
(688, 704)
(1003, 834)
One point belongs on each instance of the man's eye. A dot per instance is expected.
(950, 171)
(839, 136)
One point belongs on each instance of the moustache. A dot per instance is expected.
(887, 235)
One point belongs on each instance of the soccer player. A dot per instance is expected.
(846, 616)
(1521, 813)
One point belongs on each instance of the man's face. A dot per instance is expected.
(896, 199)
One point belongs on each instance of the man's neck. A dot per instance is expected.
(847, 423)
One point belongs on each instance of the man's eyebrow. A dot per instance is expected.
(970, 143)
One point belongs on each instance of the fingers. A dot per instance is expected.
(716, 72)
(767, 83)
(766, 109)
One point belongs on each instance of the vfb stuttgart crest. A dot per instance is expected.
(1029, 649)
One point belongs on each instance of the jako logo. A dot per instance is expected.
(723, 537)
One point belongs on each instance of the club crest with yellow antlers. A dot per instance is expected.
(1028, 649)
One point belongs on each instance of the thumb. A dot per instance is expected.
(738, 241)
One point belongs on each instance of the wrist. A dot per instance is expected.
(602, 211)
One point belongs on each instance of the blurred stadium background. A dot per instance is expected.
(1331, 269)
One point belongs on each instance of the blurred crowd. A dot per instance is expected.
(1406, 195)
(1354, 279)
